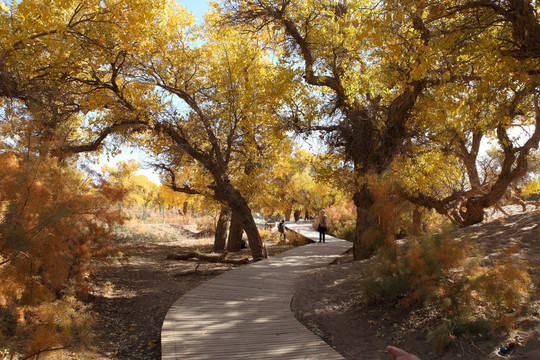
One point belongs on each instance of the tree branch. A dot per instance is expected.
(183, 189)
(98, 141)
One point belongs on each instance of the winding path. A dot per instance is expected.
(246, 313)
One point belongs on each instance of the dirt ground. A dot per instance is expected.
(329, 302)
(135, 288)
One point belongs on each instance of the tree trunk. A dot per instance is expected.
(287, 214)
(221, 230)
(162, 206)
(210, 258)
(474, 212)
(417, 220)
(469, 159)
(226, 193)
(363, 200)
(254, 238)
(185, 208)
(235, 235)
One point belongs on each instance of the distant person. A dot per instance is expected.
(296, 215)
(400, 354)
(306, 215)
(323, 226)
(281, 229)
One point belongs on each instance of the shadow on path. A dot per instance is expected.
(246, 311)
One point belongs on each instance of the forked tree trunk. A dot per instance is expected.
(235, 235)
(226, 193)
(255, 242)
(221, 230)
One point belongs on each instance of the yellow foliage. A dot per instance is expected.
(48, 225)
(531, 188)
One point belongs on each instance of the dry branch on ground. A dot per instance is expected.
(210, 258)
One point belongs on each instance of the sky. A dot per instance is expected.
(198, 8)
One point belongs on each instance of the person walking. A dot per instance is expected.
(323, 226)
(281, 229)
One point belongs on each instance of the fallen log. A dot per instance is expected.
(210, 258)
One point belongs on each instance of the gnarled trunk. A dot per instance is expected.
(226, 193)
(221, 229)
(473, 212)
(235, 235)
(363, 200)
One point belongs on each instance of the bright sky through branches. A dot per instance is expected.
(198, 8)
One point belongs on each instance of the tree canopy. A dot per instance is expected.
(394, 72)
(381, 81)
(407, 90)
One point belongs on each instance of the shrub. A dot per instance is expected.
(342, 221)
(206, 225)
(268, 235)
(472, 298)
(296, 239)
(51, 220)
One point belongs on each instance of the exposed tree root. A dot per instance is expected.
(210, 258)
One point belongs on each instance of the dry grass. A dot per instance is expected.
(134, 286)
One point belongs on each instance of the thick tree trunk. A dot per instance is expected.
(226, 193)
(363, 201)
(417, 220)
(288, 213)
(235, 234)
(248, 224)
(473, 213)
(221, 229)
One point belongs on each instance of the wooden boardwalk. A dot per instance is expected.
(246, 313)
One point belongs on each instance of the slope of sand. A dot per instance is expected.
(330, 303)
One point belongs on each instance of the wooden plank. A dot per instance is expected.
(246, 311)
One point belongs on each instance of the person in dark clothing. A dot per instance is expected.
(323, 226)
(281, 229)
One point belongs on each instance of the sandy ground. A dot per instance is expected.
(330, 303)
(134, 288)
